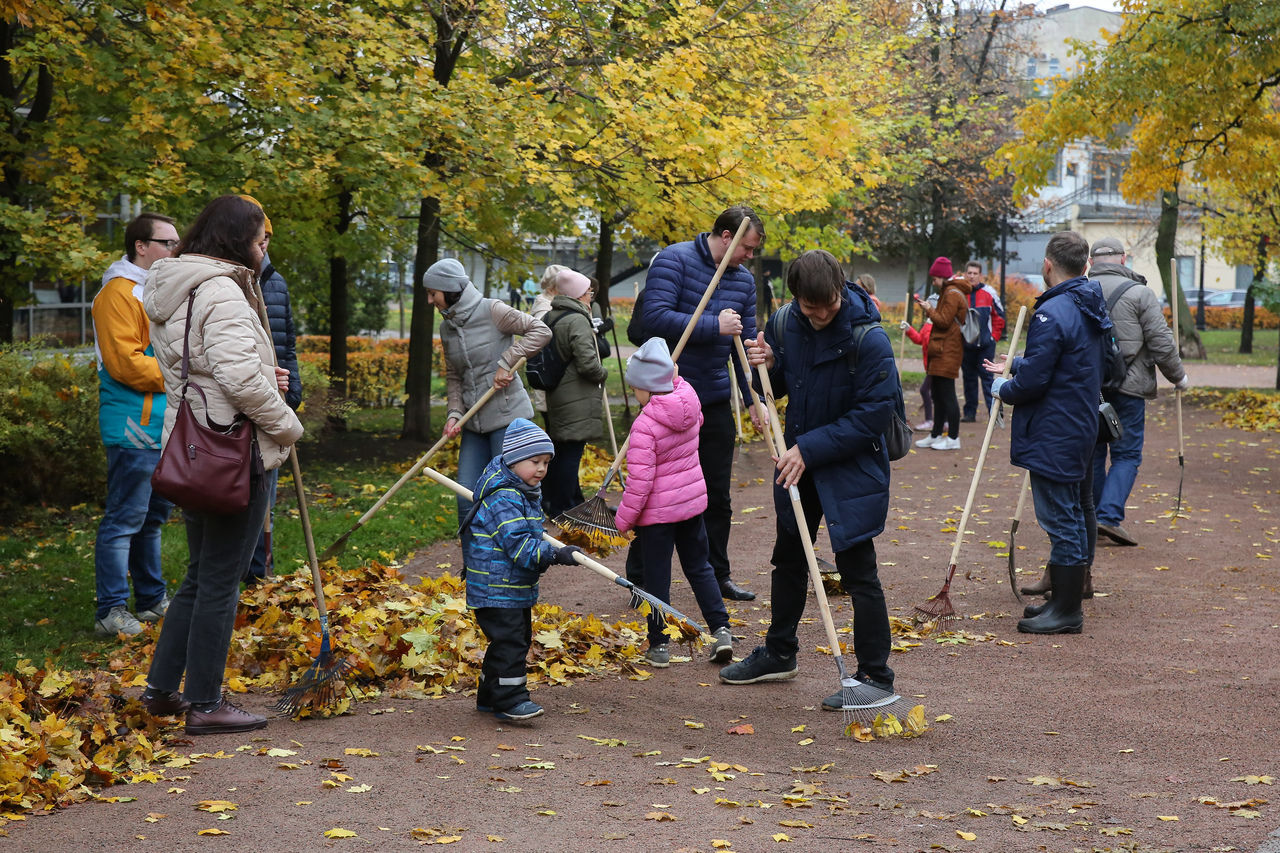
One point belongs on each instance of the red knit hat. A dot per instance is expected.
(941, 267)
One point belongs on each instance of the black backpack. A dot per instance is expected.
(546, 368)
(635, 329)
(1114, 367)
(897, 437)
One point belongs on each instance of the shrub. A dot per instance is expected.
(50, 448)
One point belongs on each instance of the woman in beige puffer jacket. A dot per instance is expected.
(233, 361)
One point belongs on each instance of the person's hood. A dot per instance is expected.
(124, 268)
(960, 283)
(170, 280)
(1086, 294)
(496, 476)
(459, 314)
(678, 409)
(858, 306)
(1121, 270)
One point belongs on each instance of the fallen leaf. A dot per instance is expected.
(781, 836)
(967, 836)
(744, 729)
(339, 832)
(1166, 817)
(659, 816)
(212, 832)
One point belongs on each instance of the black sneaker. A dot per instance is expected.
(760, 665)
(860, 694)
(526, 710)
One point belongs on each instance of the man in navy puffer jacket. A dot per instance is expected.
(678, 277)
(1055, 391)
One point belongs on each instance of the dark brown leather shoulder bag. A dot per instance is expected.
(205, 468)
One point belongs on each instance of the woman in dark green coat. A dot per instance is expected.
(574, 406)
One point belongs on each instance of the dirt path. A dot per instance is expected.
(1111, 740)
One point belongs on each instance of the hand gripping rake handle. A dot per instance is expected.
(811, 556)
(1013, 532)
(581, 558)
(684, 337)
(986, 444)
(338, 546)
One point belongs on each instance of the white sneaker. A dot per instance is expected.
(928, 441)
(117, 621)
(945, 443)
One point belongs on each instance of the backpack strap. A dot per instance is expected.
(1117, 293)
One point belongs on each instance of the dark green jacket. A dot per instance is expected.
(575, 405)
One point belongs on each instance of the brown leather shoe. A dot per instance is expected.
(164, 703)
(1040, 587)
(225, 718)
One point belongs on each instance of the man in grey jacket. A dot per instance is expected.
(1146, 343)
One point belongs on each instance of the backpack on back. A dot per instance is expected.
(1114, 366)
(897, 438)
(972, 328)
(546, 368)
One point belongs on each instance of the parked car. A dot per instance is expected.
(1224, 298)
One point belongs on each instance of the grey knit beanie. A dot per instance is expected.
(446, 276)
(651, 368)
(524, 440)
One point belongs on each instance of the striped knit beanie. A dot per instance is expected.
(524, 440)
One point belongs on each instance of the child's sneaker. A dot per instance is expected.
(722, 650)
(526, 710)
(658, 656)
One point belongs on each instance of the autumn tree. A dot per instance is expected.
(1185, 86)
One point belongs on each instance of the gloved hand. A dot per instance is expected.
(1184, 383)
(564, 555)
(996, 384)
(904, 325)
(597, 325)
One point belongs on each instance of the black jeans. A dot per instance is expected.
(689, 539)
(716, 443)
(560, 488)
(974, 375)
(504, 675)
(196, 634)
(872, 640)
(948, 407)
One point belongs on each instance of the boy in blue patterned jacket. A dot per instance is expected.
(504, 559)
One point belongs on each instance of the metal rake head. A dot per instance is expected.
(593, 521)
(662, 613)
(323, 685)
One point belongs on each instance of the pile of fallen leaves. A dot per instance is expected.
(66, 734)
(1248, 409)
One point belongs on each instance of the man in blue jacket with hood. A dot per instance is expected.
(839, 406)
(1055, 389)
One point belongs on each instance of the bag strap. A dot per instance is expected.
(186, 341)
(1117, 293)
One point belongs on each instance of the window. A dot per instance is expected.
(1031, 66)
(1105, 172)
(1055, 67)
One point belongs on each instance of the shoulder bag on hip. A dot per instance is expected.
(205, 468)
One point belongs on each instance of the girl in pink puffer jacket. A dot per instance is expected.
(666, 494)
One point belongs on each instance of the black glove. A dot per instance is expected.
(564, 555)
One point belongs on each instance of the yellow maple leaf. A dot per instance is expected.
(212, 832)
(339, 832)
(781, 836)
(215, 806)
(967, 836)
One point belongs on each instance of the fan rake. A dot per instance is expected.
(939, 608)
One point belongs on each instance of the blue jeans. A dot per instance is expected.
(196, 634)
(128, 543)
(258, 567)
(477, 449)
(1061, 516)
(973, 372)
(1111, 488)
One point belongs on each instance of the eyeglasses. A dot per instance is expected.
(168, 244)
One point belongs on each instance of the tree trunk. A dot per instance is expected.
(339, 303)
(417, 386)
(604, 267)
(1189, 343)
(1259, 274)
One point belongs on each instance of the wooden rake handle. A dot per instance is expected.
(341, 542)
(986, 442)
(465, 493)
(810, 555)
(688, 331)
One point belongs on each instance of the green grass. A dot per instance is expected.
(46, 558)
(1222, 346)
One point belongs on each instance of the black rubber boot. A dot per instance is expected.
(1040, 587)
(1062, 615)
(1036, 609)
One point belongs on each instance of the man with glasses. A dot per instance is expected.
(131, 403)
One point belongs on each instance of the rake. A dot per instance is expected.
(324, 682)
(939, 608)
(340, 545)
(593, 518)
(1013, 532)
(1177, 395)
(860, 703)
(653, 608)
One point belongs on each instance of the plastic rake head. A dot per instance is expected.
(323, 685)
